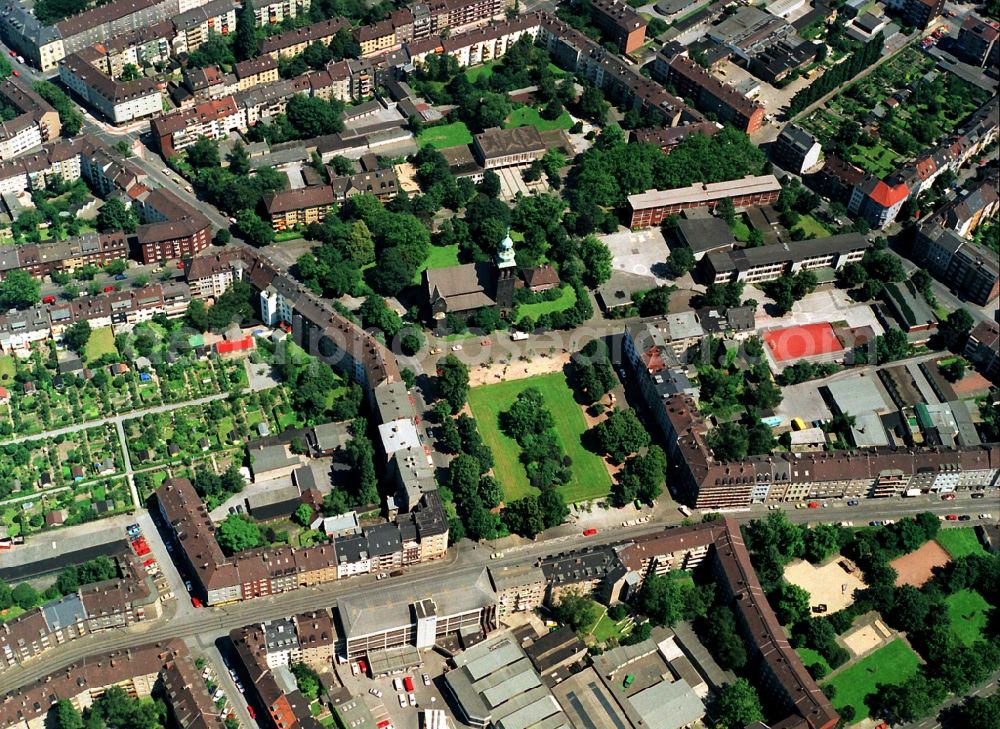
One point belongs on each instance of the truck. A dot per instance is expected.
(912, 492)
(518, 336)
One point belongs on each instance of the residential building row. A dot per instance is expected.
(138, 671)
(418, 536)
(120, 310)
(710, 95)
(46, 45)
(617, 572)
(962, 265)
(297, 208)
(712, 484)
(42, 259)
(106, 605)
(33, 123)
(879, 201)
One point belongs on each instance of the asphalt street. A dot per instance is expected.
(202, 626)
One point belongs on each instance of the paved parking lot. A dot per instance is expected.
(642, 252)
(428, 697)
(824, 305)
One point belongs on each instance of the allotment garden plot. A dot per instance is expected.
(68, 479)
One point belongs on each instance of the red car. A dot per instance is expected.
(197, 603)
(947, 497)
(16, 72)
(180, 265)
(952, 517)
(589, 532)
(50, 299)
(251, 712)
(408, 683)
(12, 54)
(813, 504)
(108, 289)
(362, 666)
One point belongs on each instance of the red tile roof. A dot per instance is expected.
(887, 196)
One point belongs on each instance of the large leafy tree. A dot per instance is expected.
(620, 434)
(576, 610)
(238, 532)
(76, 335)
(738, 705)
(19, 290)
(114, 215)
(453, 381)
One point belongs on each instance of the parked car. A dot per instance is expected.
(589, 532)
(402, 700)
(426, 679)
(120, 277)
(948, 497)
(952, 517)
(853, 502)
(985, 516)
(413, 700)
(965, 517)
(813, 504)
(977, 495)
(251, 712)
(50, 299)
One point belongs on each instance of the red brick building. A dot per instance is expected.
(651, 207)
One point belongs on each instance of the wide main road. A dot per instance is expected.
(464, 560)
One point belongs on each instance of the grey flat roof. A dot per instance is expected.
(667, 705)
(390, 606)
(858, 394)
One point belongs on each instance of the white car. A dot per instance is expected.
(773, 507)
(413, 700)
(986, 516)
(402, 700)
(373, 691)
(166, 171)
(457, 348)
(427, 679)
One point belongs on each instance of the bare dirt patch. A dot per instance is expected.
(867, 638)
(917, 567)
(831, 584)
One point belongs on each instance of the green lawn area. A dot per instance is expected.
(891, 664)
(810, 226)
(877, 160)
(967, 610)
(607, 628)
(809, 657)
(7, 368)
(476, 72)
(445, 135)
(590, 477)
(566, 300)
(959, 542)
(526, 115)
(440, 257)
(101, 342)
(741, 231)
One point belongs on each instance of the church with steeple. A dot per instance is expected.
(463, 290)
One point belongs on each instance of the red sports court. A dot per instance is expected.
(809, 340)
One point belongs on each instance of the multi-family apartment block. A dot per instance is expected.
(120, 102)
(620, 23)
(215, 119)
(255, 72)
(35, 170)
(193, 27)
(271, 12)
(712, 95)
(138, 671)
(41, 259)
(46, 45)
(293, 42)
(36, 121)
(170, 227)
(289, 209)
(959, 263)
